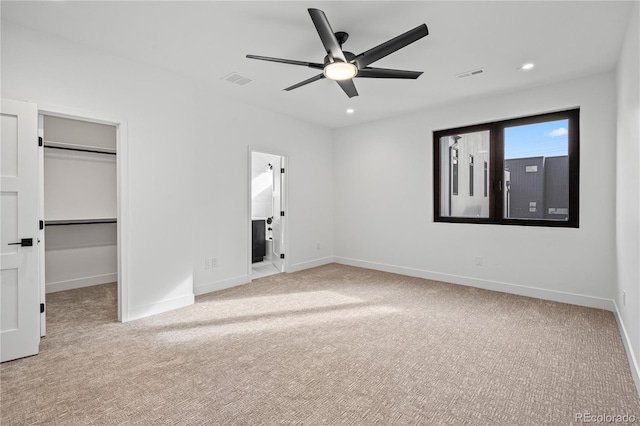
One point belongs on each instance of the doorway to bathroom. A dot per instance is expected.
(268, 214)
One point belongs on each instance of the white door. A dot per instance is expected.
(19, 287)
(278, 220)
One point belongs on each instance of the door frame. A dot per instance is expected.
(122, 192)
(284, 202)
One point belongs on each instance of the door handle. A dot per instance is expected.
(25, 242)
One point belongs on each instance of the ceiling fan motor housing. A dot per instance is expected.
(342, 37)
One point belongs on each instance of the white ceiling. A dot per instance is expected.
(206, 40)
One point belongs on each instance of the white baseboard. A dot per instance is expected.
(633, 362)
(220, 285)
(80, 282)
(311, 264)
(538, 293)
(159, 307)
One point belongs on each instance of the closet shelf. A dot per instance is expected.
(81, 148)
(79, 222)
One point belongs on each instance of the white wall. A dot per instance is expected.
(80, 256)
(74, 132)
(262, 184)
(628, 185)
(228, 130)
(384, 201)
(79, 185)
(157, 107)
(188, 157)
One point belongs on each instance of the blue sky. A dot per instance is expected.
(535, 140)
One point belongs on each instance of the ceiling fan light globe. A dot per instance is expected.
(340, 71)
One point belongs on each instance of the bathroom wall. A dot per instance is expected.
(262, 184)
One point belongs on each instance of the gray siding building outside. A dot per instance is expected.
(537, 188)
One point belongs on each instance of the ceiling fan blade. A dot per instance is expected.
(307, 81)
(370, 72)
(328, 38)
(348, 86)
(287, 61)
(388, 47)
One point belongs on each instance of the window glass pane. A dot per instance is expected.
(536, 171)
(458, 154)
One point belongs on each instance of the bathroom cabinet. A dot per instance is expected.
(258, 241)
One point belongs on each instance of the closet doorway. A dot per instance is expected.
(79, 204)
(268, 214)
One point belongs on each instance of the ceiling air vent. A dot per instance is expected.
(470, 73)
(237, 79)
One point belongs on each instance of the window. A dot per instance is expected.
(530, 171)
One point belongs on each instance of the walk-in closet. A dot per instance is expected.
(80, 203)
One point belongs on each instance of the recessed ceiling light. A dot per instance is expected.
(350, 111)
(527, 66)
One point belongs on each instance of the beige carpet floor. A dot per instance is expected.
(332, 345)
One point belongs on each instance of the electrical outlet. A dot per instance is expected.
(318, 246)
(624, 298)
(478, 260)
(214, 263)
(207, 264)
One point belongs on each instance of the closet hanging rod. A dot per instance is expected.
(78, 222)
(79, 149)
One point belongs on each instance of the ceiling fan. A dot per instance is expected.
(343, 66)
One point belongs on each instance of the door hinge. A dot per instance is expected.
(282, 170)
(41, 225)
(42, 308)
(39, 140)
(281, 213)
(281, 255)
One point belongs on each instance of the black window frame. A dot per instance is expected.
(496, 169)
